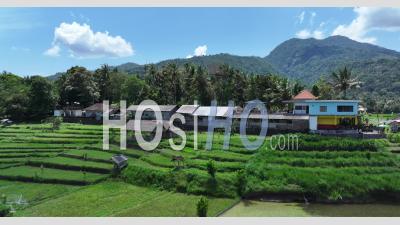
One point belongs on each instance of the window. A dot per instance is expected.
(323, 108)
(345, 108)
(300, 107)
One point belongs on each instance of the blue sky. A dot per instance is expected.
(49, 40)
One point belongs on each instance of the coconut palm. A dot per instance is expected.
(343, 81)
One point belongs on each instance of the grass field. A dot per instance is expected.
(121, 199)
(33, 156)
(33, 193)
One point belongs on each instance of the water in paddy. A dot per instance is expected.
(279, 209)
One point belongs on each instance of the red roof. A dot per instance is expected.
(304, 95)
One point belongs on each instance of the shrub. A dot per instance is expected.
(211, 169)
(202, 207)
(4, 210)
(394, 137)
(241, 182)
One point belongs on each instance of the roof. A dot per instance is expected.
(146, 125)
(119, 158)
(317, 101)
(274, 116)
(187, 109)
(304, 95)
(163, 108)
(96, 107)
(222, 111)
(394, 121)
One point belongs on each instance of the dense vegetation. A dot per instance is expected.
(33, 98)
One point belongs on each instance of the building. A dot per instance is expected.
(299, 104)
(166, 111)
(187, 112)
(119, 161)
(69, 111)
(394, 125)
(277, 122)
(149, 128)
(204, 112)
(96, 111)
(326, 114)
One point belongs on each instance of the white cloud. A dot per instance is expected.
(83, 42)
(313, 15)
(369, 19)
(318, 34)
(199, 51)
(301, 17)
(305, 33)
(53, 51)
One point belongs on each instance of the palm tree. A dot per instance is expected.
(343, 81)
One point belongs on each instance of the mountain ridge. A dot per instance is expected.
(307, 60)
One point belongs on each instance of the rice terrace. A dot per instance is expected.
(65, 172)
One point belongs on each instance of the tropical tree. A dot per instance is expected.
(297, 88)
(135, 90)
(78, 86)
(41, 97)
(343, 81)
(102, 77)
(315, 90)
(325, 89)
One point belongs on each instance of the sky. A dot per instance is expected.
(43, 41)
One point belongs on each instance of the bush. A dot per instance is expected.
(211, 168)
(394, 137)
(241, 182)
(202, 207)
(4, 210)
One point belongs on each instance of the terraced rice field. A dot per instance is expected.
(71, 159)
(35, 153)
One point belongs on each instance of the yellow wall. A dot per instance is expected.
(333, 120)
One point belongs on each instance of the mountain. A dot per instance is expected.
(308, 59)
(249, 64)
(131, 68)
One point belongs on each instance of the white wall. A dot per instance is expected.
(58, 112)
(313, 123)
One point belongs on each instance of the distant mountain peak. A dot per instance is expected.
(308, 59)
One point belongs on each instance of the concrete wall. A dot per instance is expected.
(314, 108)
